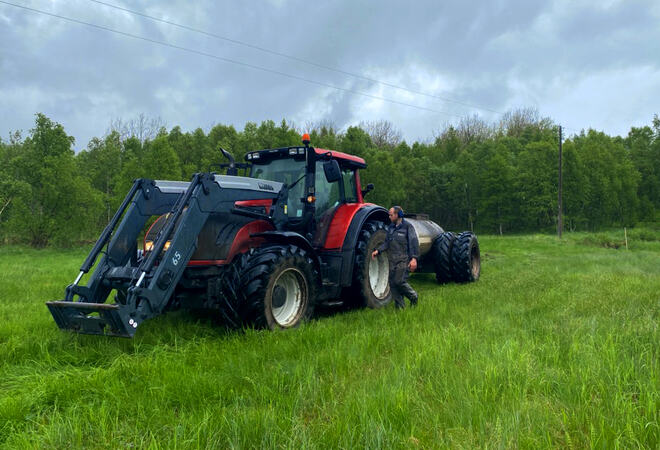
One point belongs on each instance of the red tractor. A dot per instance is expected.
(260, 250)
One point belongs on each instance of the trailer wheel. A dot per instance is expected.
(272, 287)
(441, 253)
(465, 258)
(371, 285)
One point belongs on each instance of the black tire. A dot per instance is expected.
(465, 258)
(441, 253)
(371, 286)
(269, 287)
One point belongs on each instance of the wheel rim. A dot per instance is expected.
(378, 275)
(291, 290)
(475, 262)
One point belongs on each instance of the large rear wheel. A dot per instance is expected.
(371, 285)
(466, 258)
(441, 253)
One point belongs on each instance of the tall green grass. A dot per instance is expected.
(556, 346)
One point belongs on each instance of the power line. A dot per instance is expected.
(293, 58)
(228, 60)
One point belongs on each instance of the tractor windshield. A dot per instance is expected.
(288, 171)
(285, 170)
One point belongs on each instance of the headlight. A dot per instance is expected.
(149, 246)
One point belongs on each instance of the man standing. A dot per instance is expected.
(403, 247)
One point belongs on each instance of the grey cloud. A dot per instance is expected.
(493, 54)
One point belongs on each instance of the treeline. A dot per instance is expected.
(492, 178)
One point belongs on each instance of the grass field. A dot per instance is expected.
(556, 346)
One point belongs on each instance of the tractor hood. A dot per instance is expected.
(225, 182)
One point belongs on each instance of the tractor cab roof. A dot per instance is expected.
(344, 159)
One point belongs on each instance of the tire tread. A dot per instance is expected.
(461, 257)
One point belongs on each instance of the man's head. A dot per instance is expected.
(396, 214)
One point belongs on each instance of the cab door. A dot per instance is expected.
(329, 197)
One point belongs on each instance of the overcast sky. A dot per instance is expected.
(582, 63)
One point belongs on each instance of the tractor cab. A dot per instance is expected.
(319, 182)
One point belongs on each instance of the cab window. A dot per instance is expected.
(350, 192)
(328, 195)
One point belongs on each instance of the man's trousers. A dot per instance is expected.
(399, 284)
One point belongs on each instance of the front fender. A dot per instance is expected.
(291, 238)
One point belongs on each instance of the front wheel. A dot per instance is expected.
(273, 287)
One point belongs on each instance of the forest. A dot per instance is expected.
(495, 178)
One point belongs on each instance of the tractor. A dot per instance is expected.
(259, 250)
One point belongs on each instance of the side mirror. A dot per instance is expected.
(369, 188)
(332, 171)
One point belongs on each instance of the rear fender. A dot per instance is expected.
(368, 212)
(365, 214)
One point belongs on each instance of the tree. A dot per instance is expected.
(382, 172)
(514, 122)
(61, 204)
(324, 134)
(473, 129)
(611, 198)
(160, 160)
(642, 145)
(575, 188)
(100, 164)
(465, 189)
(248, 139)
(496, 200)
(383, 134)
(355, 141)
(12, 190)
(473, 175)
(448, 144)
(286, 135)
(142, 128)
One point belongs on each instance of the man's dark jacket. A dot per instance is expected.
(401, 242)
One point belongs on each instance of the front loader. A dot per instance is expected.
(145, 286)
(260, 250)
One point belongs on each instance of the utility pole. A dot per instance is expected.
(560, 224)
